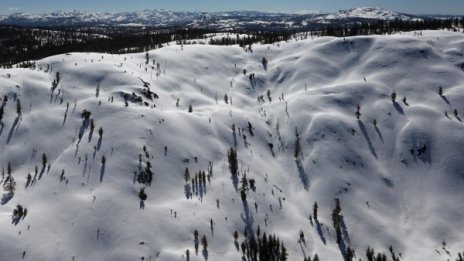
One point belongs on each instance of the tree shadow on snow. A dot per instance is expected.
(366, 136)
(7, 197)
(320, 232)
(42, 171)
(205, 254)
(379, 133)
(187, 191)
(445, 99)
(303, 174)
(235, 181)
(344, 230)
(99, 143)
(85, 125)
(302, 250)
(90, 135)
(398, 107)
(247, 218)
(13, 128)
(102, 172)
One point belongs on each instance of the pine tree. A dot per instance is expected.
(44, 160)
(393, 96)
(142, 194)
(10, 184)
(336, 220)
(1, 113)
(97, 91)
(204, 242)
(186, 175)
(440, 91)
(190, 110)
(235, 235)
(358, 112)
(283, 253)
(350, 254)
(243, 195)
(233, 163)
(315, 207)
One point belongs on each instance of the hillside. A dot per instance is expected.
(399, 182)
(223, 20)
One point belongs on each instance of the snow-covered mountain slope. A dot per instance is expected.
(228, 19)
(399, 182)
(367, 13)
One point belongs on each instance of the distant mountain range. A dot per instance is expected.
(217, 20)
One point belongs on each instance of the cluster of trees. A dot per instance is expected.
(251, 37)
(371, 256)
(145, 175)
(263, 248)
(388, 27)
(20, 44)
(204, 242)
(19, 212)
(9, 185)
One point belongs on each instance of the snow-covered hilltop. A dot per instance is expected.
(367, 13)
(230, 19)
(92, 129)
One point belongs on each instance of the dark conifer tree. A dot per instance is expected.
(315, 207)
(393, 97)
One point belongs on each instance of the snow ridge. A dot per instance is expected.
(161, 17)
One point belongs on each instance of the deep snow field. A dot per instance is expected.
(400, 183)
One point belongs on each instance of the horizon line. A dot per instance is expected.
(301, 12)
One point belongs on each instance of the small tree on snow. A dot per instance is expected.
(315, 207)
(358, 112)
(186, 175)
(204, 242)
(142, 194)
(393, 97)
(44, 160)
(233, 162)
(9, 185)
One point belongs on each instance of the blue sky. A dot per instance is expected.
(407, 6)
